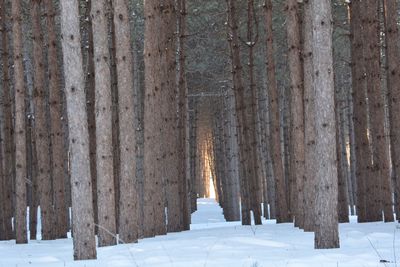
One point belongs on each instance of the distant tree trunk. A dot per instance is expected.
(326, 226)
(193, 156)
(309, 121)
(380, 150)
(33, 208)
(115, 106)
(8, 162)
(251, 110)
(238, 90)
(57, 133)
(42, 134)
(362, 151)
(393, 83)
(103, 107)
(3, 218)
(343, 206)
(128, 202)
(81, 187)
(352, 174)
(183, 123)
(20, 120)
(233, 156)
(273, 100)
(296, 105)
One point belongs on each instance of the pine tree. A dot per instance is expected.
(326, 226)
(81, 187)
(20, 120)
(128, 202)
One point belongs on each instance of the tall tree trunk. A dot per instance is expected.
(352, 175)
(20, 120)
(168, 108)
(8, 162)
(33, 208)
(81, 187)
(362, 151)
(238, 90)
(343, 205)
(296, 103)
(309, 118)
(183, 123)
(159, 117)
(393, 83)
(273, 100)
(103, 107)
(57, 133)
(380, 150)
(128, 202)
(42, 134)
(250, 95)
(88, 67)
(326, 226)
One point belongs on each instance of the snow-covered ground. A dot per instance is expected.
(212, 242)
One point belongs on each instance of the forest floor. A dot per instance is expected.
(212, 242)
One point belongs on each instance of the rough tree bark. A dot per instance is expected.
(309, 118)
(128, 201)
(296, 103)
(183, 123)
(103, 108)
(282, 213)
(393, 83)
(159, 117)
(42, 134)
(378, 185)
(20, 120)
(326, 220)
(238, 89)
(57, 133)
(362, 151)
(81, 186)
(8, 172)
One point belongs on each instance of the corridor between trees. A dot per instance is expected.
(117, 116)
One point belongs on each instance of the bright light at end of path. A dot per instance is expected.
(212, 188)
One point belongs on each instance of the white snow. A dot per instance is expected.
(212, 242)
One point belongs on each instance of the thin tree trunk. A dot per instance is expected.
(33, 208)
(393, 83)
(103, 107)
(8, 162)
(296, 102)
(20, 120)
(57, 133)
(251, 116)
(309, 118)
(380, 178)
(183, 115)
(81, 187)
(42, 134)
(238, 90)
(343, 205)
(362, 151)
(275, 134)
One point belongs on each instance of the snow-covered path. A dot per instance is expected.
(212, 242)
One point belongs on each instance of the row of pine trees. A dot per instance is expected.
(109, 108)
